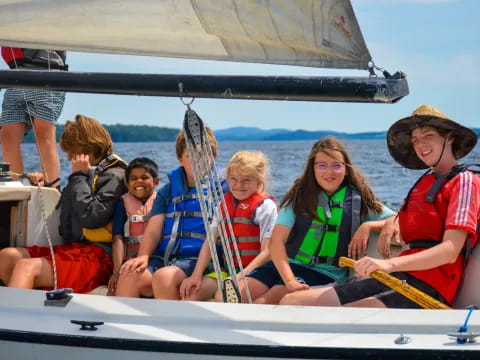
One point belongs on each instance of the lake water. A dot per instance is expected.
(389, 180)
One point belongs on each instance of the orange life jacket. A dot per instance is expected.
(246, 232)
(422, 221)
(138, 214)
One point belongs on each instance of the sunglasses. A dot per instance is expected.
(323, 166)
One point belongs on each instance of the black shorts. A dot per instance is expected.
(269, 275)
(364, 288)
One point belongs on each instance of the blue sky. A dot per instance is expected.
(435, 42)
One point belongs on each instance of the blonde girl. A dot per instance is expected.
(253, 214)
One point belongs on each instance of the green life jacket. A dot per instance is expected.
(313, 241)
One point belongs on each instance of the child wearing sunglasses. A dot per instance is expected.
(328, 212)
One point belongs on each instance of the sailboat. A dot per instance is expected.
(34, 324)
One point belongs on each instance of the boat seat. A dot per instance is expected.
(470, 292)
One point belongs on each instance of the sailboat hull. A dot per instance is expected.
(147, 328)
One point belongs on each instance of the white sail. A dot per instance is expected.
(318, 33)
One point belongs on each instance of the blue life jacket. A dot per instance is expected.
(184, 229)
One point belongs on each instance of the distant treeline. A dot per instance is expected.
(145, 133)
(129, 133)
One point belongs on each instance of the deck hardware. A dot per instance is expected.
(87, 325)
(58, 297)
(463, 335)
(402, 340)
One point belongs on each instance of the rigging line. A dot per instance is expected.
(39, 189)
(220, 199)
(207, 173)
(203, 206)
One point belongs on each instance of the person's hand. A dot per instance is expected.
(190, 286)
(36, 178)
(359, 244)
(390, 233)
(366, 265)
(112, 283)
(134, 265)
(80, 162)
(294, 285)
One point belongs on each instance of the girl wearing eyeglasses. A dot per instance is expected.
(328, 212)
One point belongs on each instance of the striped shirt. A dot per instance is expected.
(463, 194)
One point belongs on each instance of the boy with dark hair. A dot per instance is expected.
(173, 237)
(132, 213)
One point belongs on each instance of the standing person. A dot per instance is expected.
(174, 235)
(95, 185)
(132, 213)
(439, 218)
(40, 109)
(253, 214)
(329, 212)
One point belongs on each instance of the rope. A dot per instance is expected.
(410, 292)
(213, 200)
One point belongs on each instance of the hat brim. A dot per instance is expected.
(401, 148)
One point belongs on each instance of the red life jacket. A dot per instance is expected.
(246, 232)
(34, 58)
(138, 214)
(423, 221)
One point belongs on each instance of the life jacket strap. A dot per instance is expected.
(248, 252)
(185, 214)
(319, 228)
(242, 220)
(429, 243)
(186, 234)
(138, 218)
(314, 260)
(245, 239)
(184, 197)
(132, 240)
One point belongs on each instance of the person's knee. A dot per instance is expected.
(44, 131)
(289, 299)
(12, 133)
(9, 256)
(166, 282)
(28, 267)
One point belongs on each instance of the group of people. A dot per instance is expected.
(118, 230)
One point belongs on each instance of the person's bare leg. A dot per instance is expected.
(32, 273)
(47, 149)
(166, 283)
(324, 296)
(272, 296)
(134, 285)
(8, 259)
(370, 302)
(11, 137)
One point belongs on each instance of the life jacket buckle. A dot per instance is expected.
(137, 218)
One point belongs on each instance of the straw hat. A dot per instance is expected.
(400, 145)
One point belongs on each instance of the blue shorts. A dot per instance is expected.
(22, 106)
(187, 265)
(269, 275)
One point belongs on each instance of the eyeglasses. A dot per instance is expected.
(323, 166)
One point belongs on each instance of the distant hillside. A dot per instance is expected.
(130, 133)
(243, 133)
(145, 133)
